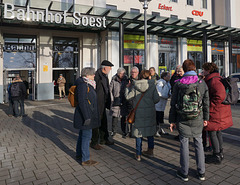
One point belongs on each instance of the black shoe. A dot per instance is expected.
(176, 138)
(24, 115)
(78, 157)
(221, 154)
(208, 149)
(201, 176)
(213, 159)
(109, 142)
(124, 135)
(181, 176)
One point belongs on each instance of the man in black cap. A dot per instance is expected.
(104, 101)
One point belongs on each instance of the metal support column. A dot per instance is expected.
(204, 46)
(233, 68)
(145, 37)
(121, 44)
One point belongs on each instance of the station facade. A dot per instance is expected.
(41, 39)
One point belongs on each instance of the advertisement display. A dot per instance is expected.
(194, 45)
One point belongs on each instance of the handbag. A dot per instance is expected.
(131, 115)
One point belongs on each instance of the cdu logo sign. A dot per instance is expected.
(197, 13)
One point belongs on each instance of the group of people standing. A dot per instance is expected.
(150, 94)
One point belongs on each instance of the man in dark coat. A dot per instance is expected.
(104, 101)
(18, 94)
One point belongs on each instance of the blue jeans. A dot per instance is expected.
(139, 144)
(83, 144)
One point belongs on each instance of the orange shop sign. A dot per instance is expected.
(197, 13)
(164, 7)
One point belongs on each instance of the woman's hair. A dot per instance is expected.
(120, 70)
(188, 65)
(164, 74)
(211, 67)
(87, 71)
(153, 68)
(145, 74)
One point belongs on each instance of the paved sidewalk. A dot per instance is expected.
(40, 149)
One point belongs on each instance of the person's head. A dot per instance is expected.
(209, 68)
(188, 65)
(152, 71)
(121, 72)
(106, 66)
(134, 72)
(88, 72)
(180, 71)
(165, 76)
(145, 74)
(18, 77)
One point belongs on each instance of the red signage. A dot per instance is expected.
(166, 42)
(164, 7)
(197, 13)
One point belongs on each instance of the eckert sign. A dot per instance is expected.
(52, 17)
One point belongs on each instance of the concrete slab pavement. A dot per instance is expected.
(40, 149)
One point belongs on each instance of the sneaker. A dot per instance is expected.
(89, 163)
(201, 176)
(181, 176)
(138, 157)
(157, 134)
(162, 132)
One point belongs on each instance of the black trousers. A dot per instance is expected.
(101, 132)
(160, 117)
(123, 124)
(216, 140)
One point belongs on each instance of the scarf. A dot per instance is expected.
(90, 82)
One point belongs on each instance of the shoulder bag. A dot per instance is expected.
(131, 115)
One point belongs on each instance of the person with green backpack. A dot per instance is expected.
(189, 113)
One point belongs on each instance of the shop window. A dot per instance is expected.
(204, 4)
(66, 4)
(111, 7)
(190, 2)
(174, 1)
(65, 52)
(204, 21)
(19, 52)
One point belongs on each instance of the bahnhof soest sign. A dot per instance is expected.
(47, 16)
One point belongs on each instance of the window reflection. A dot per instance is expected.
(65, 53)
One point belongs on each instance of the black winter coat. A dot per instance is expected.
(22, 90)
(103, 92)
(173, 79)
(87, 107)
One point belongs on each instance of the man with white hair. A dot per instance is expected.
(104, 101)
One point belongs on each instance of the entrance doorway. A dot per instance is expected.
(168, 59)
(69, 75)
(28, 78)
(218, 59)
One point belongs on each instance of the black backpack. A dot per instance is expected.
(232, 93)
(15, 90)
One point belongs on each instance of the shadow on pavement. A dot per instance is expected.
(52, 127)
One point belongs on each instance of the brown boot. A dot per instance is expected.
(89, 163)
(148, 153)
(96, 147)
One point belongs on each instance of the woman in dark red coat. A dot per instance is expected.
(220, 114)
